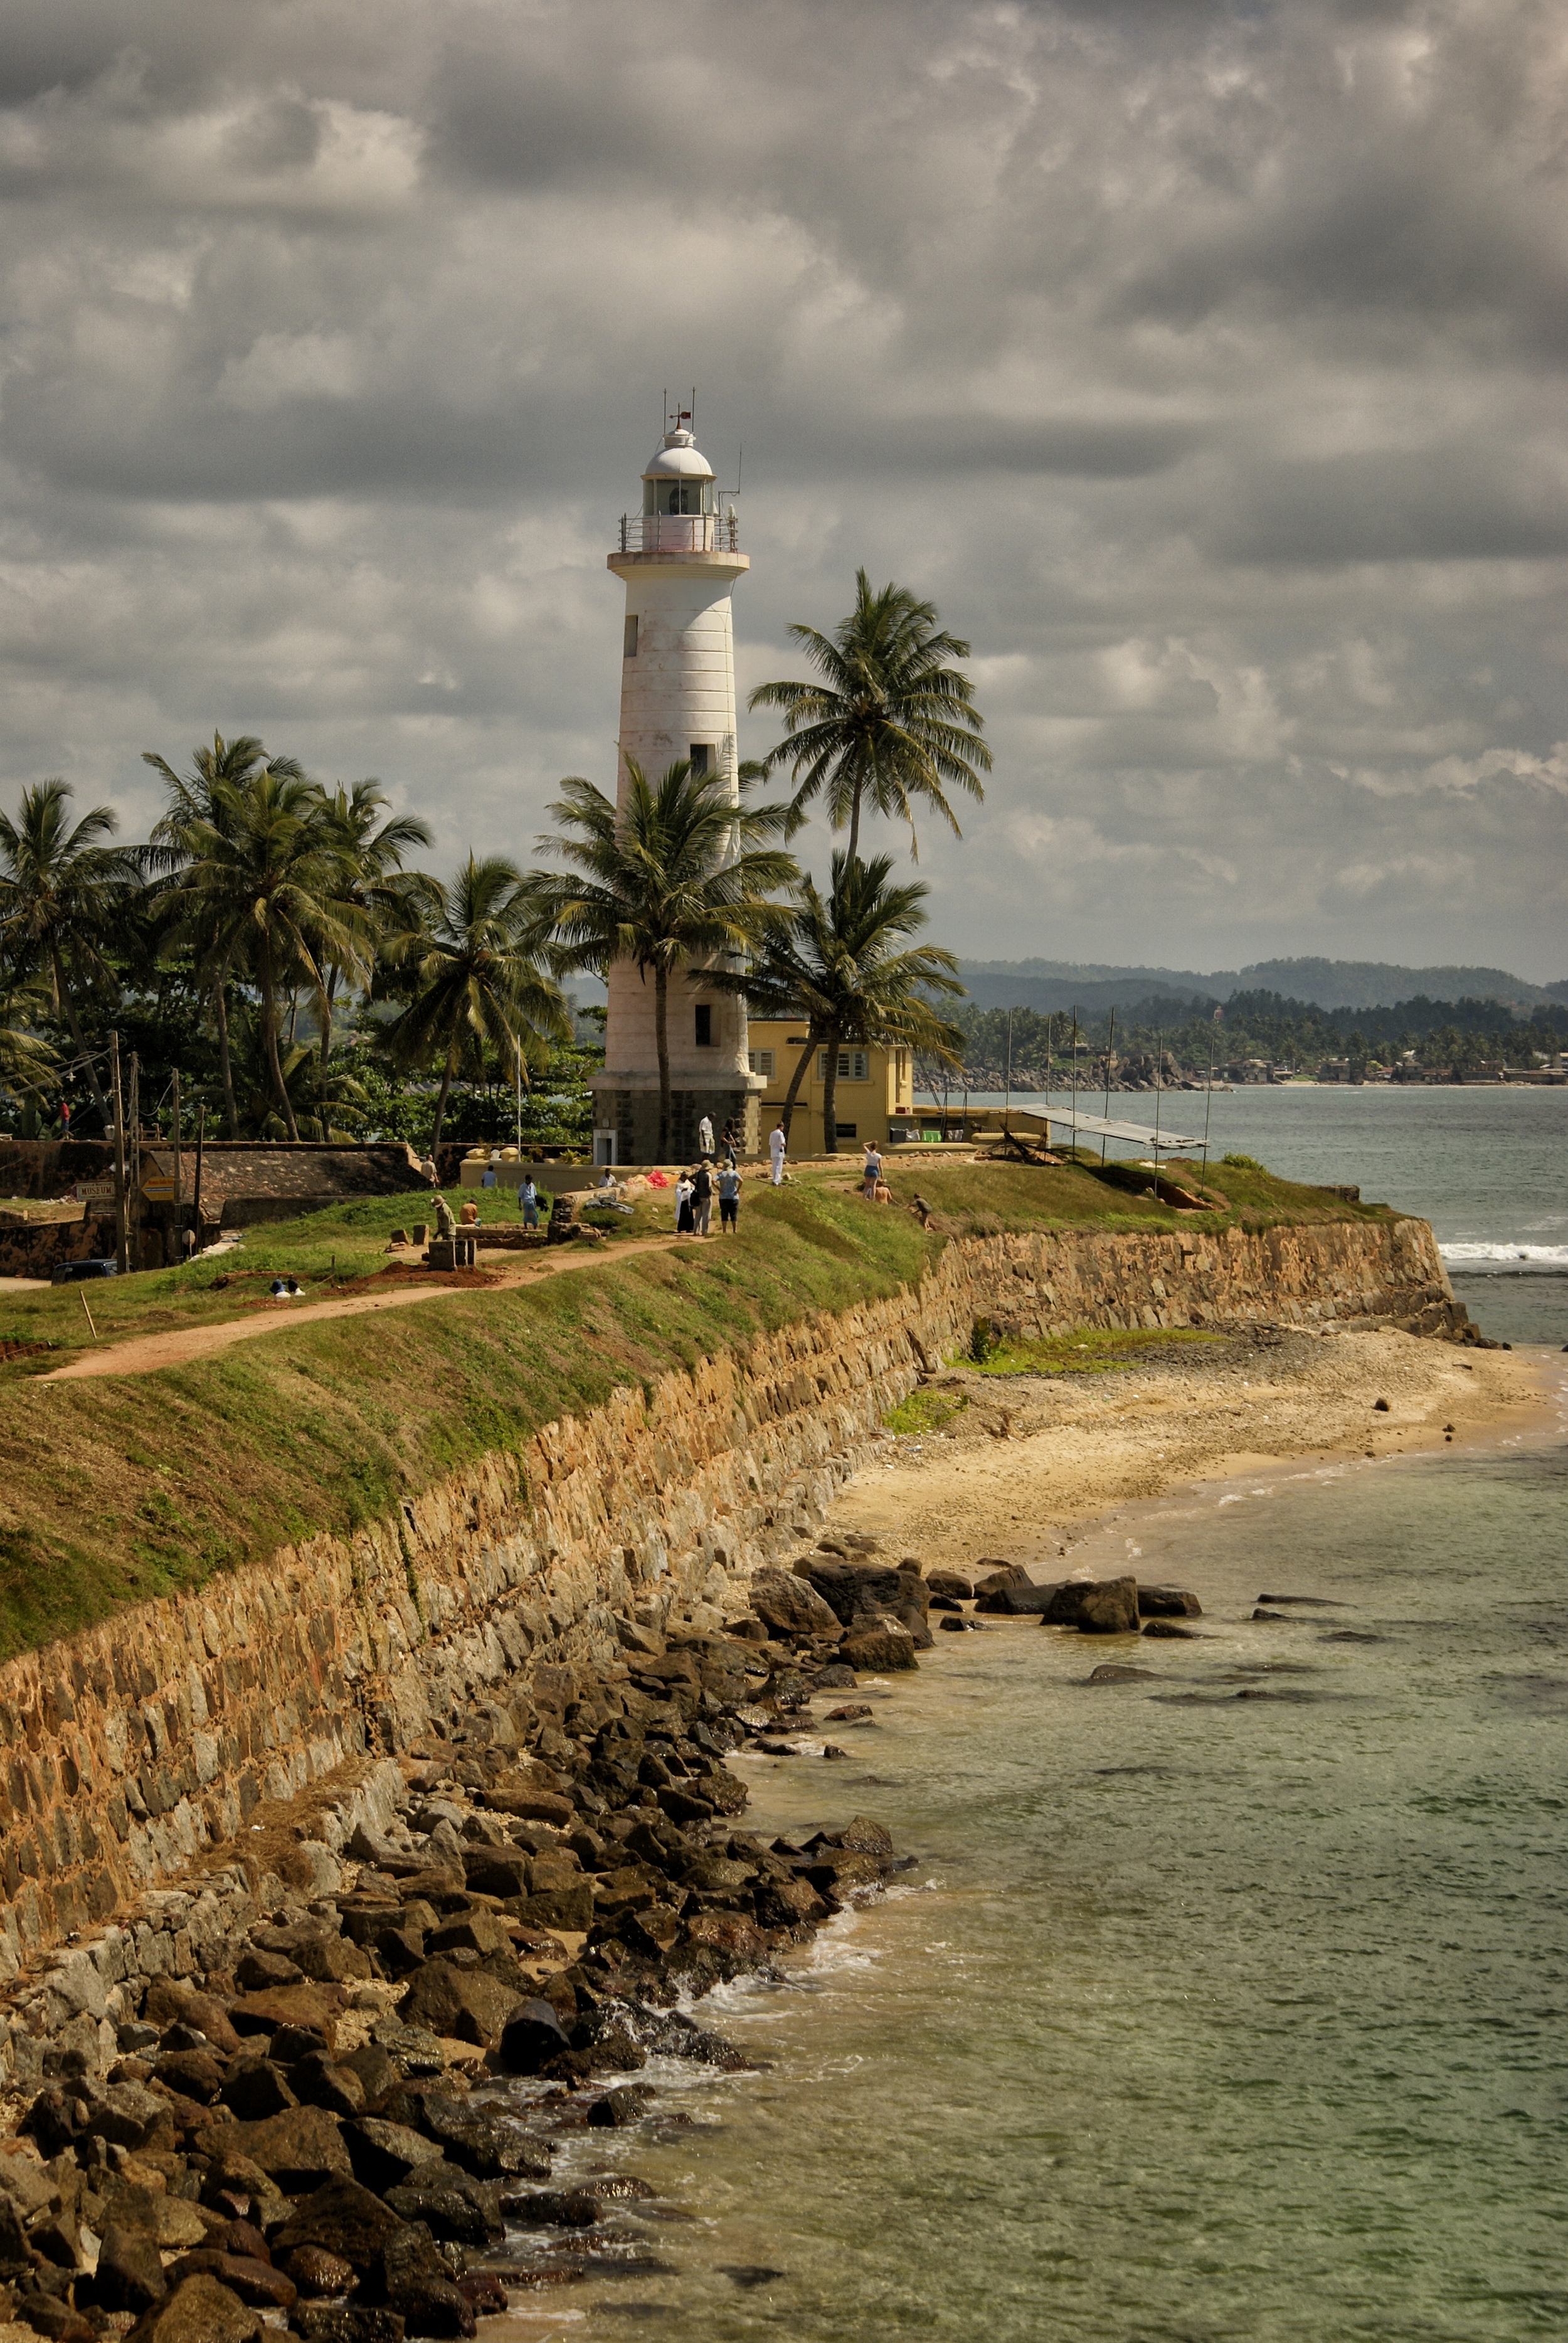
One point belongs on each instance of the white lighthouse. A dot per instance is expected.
(679, 560)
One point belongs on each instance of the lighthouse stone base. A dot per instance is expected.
(626, 1106)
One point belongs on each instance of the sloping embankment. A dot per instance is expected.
(131, 1747)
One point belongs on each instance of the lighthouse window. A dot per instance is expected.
(630, 651)
(704, 1025)
(682, 497)
(701, 757)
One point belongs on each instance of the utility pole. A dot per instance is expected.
(1006, 1095)
(133, 1149)
(196, 1202)
(1110, 1046)
(179, 1180)
(122, 1256)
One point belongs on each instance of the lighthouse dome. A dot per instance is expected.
(679, 458)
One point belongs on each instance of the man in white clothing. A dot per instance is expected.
(705, 1136)
(777, 1144)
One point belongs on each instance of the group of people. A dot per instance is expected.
(695, 1192)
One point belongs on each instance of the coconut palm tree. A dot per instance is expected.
(836, 960)
(60, 886)
(484, 969)
(27, 1064)
(374, 879)
(207, 795)
(265, 882)
(888, 721)
(675, 878)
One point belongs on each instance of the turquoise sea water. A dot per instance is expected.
(1227, 2005)
(1202, 2017)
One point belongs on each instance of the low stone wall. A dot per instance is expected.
(129, 1749)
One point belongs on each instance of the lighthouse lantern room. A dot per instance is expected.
(678, 558)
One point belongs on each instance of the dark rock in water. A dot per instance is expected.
(945, 1602)
(879, 1650)
(453, 2206)
(852, 1713)
(1104, 1606)
(1277, 1618)
(1351, 1635)
(835, 1678)
(531, 2035)
(750, 2273)
(626, 2105)
(960, 1626)
(1169, 1627)
(1113, 1674)
(1020, 1598)
(1307, 1602)
(952, 1583)
(999, 1574)
(1168, 1603)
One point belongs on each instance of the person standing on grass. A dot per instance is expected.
(685, 1225)
(726, 1144)
(729, 1197)
(529, 1203)
(870, 1172)
(702, 1198)
(705, 1136)
(778, 1147)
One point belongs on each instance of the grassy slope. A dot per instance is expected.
(115, 1491)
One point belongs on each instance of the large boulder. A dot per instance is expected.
(532, 2036)
(384, 2154)
(298, 2150)
(1018, 1599)
(1103, 1606)
(954, 1583)
(853, 1591)
(1168, 1603)
(417, 2283)
(199, 2310)
(791, 1606)
(879, 1650)
(463, 2005)
(345, 2219)
(130, 2275)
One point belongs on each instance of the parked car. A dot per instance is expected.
(71, 1272)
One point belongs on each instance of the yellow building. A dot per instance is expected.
(875, 1086)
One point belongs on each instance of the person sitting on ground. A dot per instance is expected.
(884, 1194)
(470, 1213)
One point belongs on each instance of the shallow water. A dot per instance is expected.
(1202, 2017)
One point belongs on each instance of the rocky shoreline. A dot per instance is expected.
(342, 2118)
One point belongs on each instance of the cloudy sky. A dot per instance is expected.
(1203, 363)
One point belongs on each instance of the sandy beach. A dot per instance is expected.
(1032, 1460)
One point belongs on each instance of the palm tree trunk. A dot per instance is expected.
(830, 1097)
(445, 1092)
(225, 1061)
(661, 1039)
(327, 990)
(270, 1036)
(63, 993)
(855, 825)
(786, 1111)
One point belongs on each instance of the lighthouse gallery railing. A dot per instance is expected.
(717, 532)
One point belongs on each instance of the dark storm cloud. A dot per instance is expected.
(1201, 361)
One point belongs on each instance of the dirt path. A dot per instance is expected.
(143, 1354)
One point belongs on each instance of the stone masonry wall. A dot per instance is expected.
(130, 1748)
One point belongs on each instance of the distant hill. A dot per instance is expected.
(1046, 984)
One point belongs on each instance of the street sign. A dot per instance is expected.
(94, 1191)
(160, 1188)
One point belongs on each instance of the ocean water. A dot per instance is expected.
(1487, 1167)
(1226, 2006)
